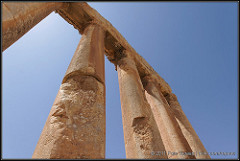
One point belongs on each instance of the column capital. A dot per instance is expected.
(127, 64)
(93, 22)
(149, 80)
(123, 57)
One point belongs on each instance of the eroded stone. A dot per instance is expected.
(186, 127)
(170, 131)
(18, 18)
(140, 131)
(75, 128)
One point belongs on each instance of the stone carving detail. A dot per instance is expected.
(140, 130)
(76, 123)
(153, 120)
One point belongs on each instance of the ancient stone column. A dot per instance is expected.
(175, 143)
(75, 128)
(141, 135)
(186, 128)
(19, 17)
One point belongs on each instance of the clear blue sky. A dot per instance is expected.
(193, 46)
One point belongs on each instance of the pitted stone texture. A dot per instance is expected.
(170, 131)
(75, 127)
(80, 13)
(89, 55)
(140, 131)
(186, 127)
(19, 17)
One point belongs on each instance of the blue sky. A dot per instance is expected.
(193, 46)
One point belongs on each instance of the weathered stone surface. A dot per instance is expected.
(170, 132)
(75, 128)
(186, 128)
(79, 14)
(140, 130)
(90, 57)
(18, 18)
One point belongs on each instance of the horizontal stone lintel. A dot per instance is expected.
(80, 14)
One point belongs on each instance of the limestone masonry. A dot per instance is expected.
(153, 120)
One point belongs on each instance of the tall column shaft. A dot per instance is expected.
(173, 139)
(141, 135)
(19, 17)
(186, 128)
(75, 128)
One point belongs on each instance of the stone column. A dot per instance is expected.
(19, 17)
(75, 128)
(175, 144)
(186, 128)
(142, 138)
